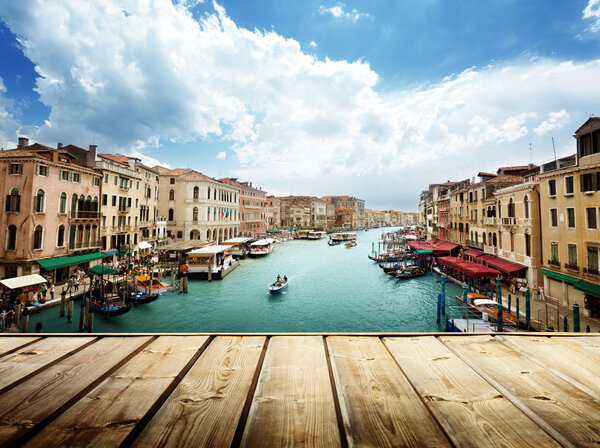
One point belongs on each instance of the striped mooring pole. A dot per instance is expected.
(517, 308)
(509, 302)
(485, 290)
(465, 297)
(588, 329)
(499, 317)
(469, 283)
(576, 323)
(444, 294)
(565, 324)
(527, 308)
(499, 289)
(439, 308)
(479, 286)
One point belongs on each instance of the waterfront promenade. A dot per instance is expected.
(409, 390)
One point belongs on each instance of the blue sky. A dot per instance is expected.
(374, 99)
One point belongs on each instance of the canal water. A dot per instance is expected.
(331, 289)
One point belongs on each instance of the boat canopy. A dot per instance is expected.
(237, 240)
(100, 269)
(23, 281)
(484, 302)
(262, 242)
(210, 250)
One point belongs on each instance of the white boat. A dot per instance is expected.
(316, 235)
(218, 260)
(303, 234)
(278, 286)
(147, 285)
(343, 236)
(261, 247)
(239, 246)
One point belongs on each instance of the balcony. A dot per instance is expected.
(554, 263)
(526, 222)
(192, 200)
(475, 244)
(512, 221)
(84, 215)
(490, 249)
(490, 221)
(121, 228)
(572, 267)
(124, 210)
(591, 271)
(144, 223)
(84, 245)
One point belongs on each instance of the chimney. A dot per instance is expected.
(91, 155)
(23, 142)
(59, 146)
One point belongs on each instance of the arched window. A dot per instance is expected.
(88, 203)
(511, 208)
(11, 237)
(60, 237)
(38, 237)
(171, 214)
(499, 209)
(72, 231)
(95, 204)
(171, 195)
(38, 201)
(192, 234)
(79, 238)
(13, 200)
(526, 207)
(73, 204)
(86, 238)
(196, 192)
(94, 234)
(208, 196)
(62, 203)
(81, 204)
(494, 240)
(195, 214)
(483, 237)
(208, 235)
(476, 237)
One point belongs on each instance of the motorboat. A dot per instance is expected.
(147, 285)
(279, 286)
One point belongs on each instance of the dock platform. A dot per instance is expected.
(410, 390)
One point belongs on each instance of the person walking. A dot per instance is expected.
(52, 291)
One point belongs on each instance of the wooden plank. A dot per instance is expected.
(470, 410)
(107, 415)
(28, 360)
(205, 407)
(27, 405)
(9, 344)
(576, 363)
(293, 404)
(379, 407)
(563, 410)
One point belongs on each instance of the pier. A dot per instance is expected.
(300, 389)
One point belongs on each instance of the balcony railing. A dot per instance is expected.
(80, 214)
(509, 221)
(591, 271)
(144, 223)
(527, 222)
(83, 245)
(572, 267)
(124, 209)
(490, 221)
(554, 263)
(475, 244)
(489, 249)
(121, 228)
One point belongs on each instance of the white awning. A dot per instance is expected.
(144, 245)
(23, 281)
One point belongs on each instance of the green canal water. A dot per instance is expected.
(331, 289)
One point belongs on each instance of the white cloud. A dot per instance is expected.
(313, 44)
(8, 124)
(222, 155)
(592, 12)
(338, 12)
(294, 122)
(555, 121)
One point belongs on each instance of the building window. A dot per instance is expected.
(589, 182)
(171, 214)
(171, 195)
(38, 202)
(172, 181)
(512, 242)
(591, 218)
(196, 192)
(585, 145)
(15, 169)
(42, 170)
(76, 177)
(526, 207)
(569, 189)
(137, 185)
(554, 252)
(38, 237)
(572, 254)
(571, 218)
(104, 199)
(592, 259)
(11, 237)
(97, 181)
(114, 201)
(64, 175)
(552, 187)
(13, 200)
(62, 203)
(527, 245)
(195, 214)
(116, 180)
(554, 217)
(179, 234)
(106, 178)
(60, 238)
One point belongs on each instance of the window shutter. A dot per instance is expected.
(594, 181)
(8, 198)
(18, 203)
(582, 182)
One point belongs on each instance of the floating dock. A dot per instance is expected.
(304, 389)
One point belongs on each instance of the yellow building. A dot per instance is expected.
(570, 216)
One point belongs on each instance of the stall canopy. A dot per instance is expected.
(144, 245)
(473, 253)
(108, 253)
(588, 288)
(62, 262)
(437, 247)
(23, 281)
(102, 270)
(560, 277)
(503, 265)
(470, 269)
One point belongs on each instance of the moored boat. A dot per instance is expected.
(261, 247)
(110, 310)
(147, 285)
(316, 235)
(240, 246)
(351, 244)
(481, 304)
(343, 236)
(334, 243)
(216, 260)
(411, 273)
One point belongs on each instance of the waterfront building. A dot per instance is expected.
(426, 215)
(349, 210)
(459, 223)
(252, 204)
(570, 216)
(197, 207)
(273, 213)
(147, 196)
(51, 208)
(318, 214)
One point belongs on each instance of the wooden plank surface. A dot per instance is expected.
(26, 405)
(379, 407)
(471, 411)
(205, 407)
(107, 415)
(23, 362)
(578, 364)
(8, 344)
(561, 408)
(293, 404)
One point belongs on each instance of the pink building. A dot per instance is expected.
(51, 209)
(252, 207)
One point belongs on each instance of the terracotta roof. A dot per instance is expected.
(235, 182)
(481, 173)
(8, 153)
(195, 175)
(119, 158)
(514, 168)
(505, 178)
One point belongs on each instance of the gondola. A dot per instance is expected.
(408, 275)
(333, 243)
(111, 311)
(141, 299)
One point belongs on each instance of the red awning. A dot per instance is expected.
(473, 253)
(505, 266)
(473, 270)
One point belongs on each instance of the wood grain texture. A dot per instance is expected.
(23, 362)
(205, 407)
(471, 411)
(561, 408)
(8, 344)
(106, 415)
(26, 405)
(379, 407)
(293, 404)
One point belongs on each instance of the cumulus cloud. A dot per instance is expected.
(556, 120)
(313, 44)
(154, 74)
(338, 12)
(8, 124)
(222, 155)
(592, 12)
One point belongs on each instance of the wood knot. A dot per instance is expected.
(542, 398)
